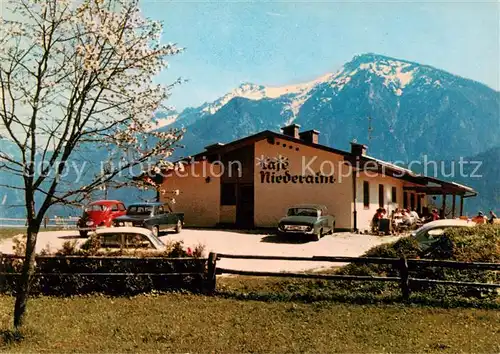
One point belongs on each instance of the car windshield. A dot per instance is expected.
(303, 212)
(140, 210)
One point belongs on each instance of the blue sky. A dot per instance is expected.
(283, 42)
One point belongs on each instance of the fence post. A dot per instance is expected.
(212, 273)
(405, 282)
(3, 279)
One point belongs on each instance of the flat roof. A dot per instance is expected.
(307, 206)
(219, 147)
(147, 204)
(105, 201)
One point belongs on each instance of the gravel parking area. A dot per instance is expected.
(240, 242)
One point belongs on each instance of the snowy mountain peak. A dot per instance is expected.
(396, 73)
(257, 92)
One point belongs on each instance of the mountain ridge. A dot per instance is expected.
(385, 92)
(251, 90)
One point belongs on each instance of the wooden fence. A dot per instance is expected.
(403, 266)
(206, 270)
(54, 272)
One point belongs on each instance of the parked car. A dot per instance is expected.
(156, 217)
(429, 233)
(100, 214)
(307, 219)
(129, 238)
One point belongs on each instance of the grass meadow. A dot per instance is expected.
(198, 324)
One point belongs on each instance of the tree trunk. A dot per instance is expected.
(24, 284)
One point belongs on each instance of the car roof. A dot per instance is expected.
(448, 223)
(99, 202)
(124, 229)
(308, 206)
(147, 204)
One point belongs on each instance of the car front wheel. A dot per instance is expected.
(317, 236)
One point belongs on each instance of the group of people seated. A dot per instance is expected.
(405, 218)
(480, 218)
(399, 219)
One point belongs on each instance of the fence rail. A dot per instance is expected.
(91, 274)
(102, 258)
(306, 276)
(56, 221)
(314, 258)
(402, 264)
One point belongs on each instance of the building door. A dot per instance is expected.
(245, 206)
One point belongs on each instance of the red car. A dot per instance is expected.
(100, 214)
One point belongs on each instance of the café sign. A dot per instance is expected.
(277, 170)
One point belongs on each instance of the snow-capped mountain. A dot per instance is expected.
(396, 75)
(401, 109)
(293, 96)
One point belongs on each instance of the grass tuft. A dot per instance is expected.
(11, 336)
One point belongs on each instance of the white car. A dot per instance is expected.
(129, 238)
(429, 233)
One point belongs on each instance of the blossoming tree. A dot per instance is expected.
(76, 75)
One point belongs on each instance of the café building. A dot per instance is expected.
(250, 182)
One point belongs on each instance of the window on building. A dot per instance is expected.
(394, 195)
(228, 194)
(366, 194)
(412, 201)
(381, 200)
(405, 200)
